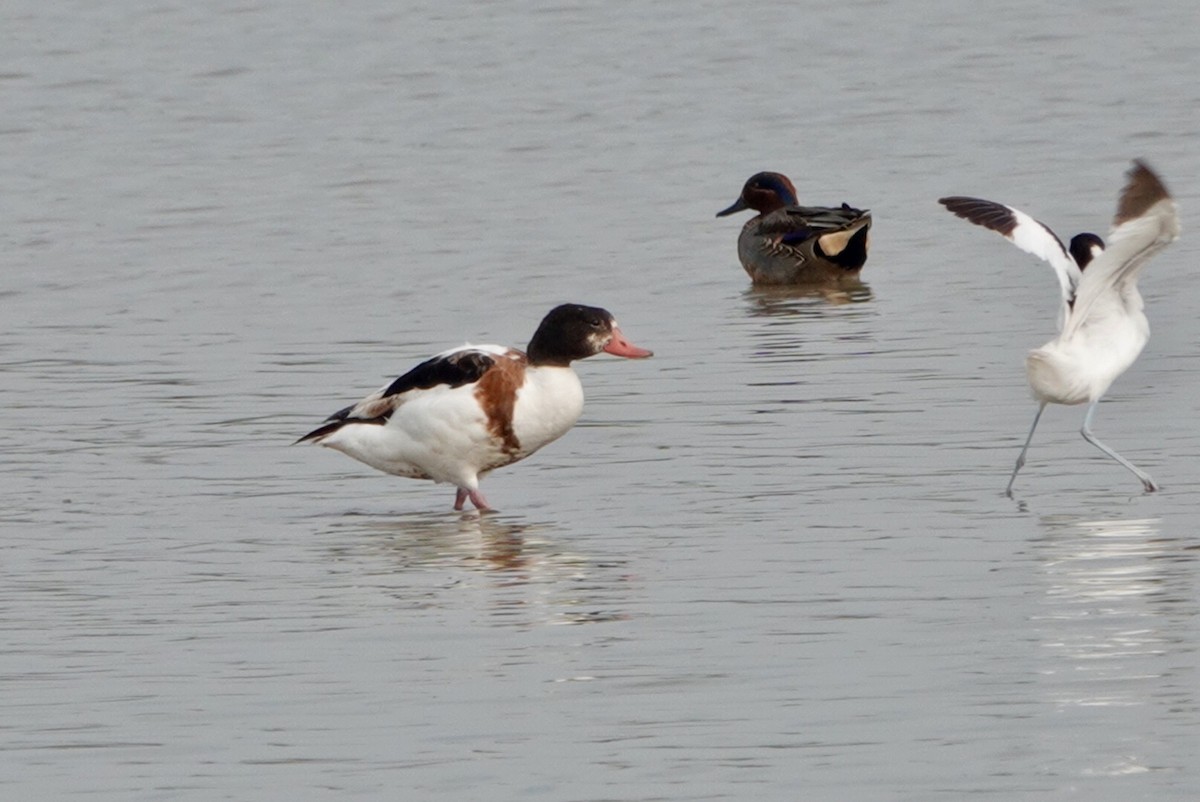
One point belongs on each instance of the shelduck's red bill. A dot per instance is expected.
(619, 346)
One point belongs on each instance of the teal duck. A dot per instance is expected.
(786, 243)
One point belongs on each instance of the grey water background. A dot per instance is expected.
(774, 562)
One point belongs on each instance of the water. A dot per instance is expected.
(774, 562)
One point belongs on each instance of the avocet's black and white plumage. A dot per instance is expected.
(1102, 328)
(467, 411)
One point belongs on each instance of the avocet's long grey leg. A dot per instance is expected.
(1021, 458)
(1147, 482)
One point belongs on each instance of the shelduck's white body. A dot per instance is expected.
(470, 410)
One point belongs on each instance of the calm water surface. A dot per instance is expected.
(774, 562)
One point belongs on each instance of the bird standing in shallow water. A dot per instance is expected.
(786, 243)
(470, 410)
(1102, 328)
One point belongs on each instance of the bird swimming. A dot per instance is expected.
(467, 411)
(786, 243)
(1102, 325)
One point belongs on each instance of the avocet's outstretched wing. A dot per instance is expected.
(1026, 233)
(1146, 222)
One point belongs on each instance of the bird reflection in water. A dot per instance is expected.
(799, 300)
(775, 318)
(532, 578)
(1118, 604)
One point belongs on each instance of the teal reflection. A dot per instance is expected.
(803, 300)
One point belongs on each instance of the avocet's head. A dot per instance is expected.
(1086, 247)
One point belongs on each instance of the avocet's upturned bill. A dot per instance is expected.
(1102, 327)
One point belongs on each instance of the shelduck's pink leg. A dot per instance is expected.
(476, 497)
(478, 500)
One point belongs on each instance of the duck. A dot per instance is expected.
(1102, 325)
(786, 243)
(467, 411)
